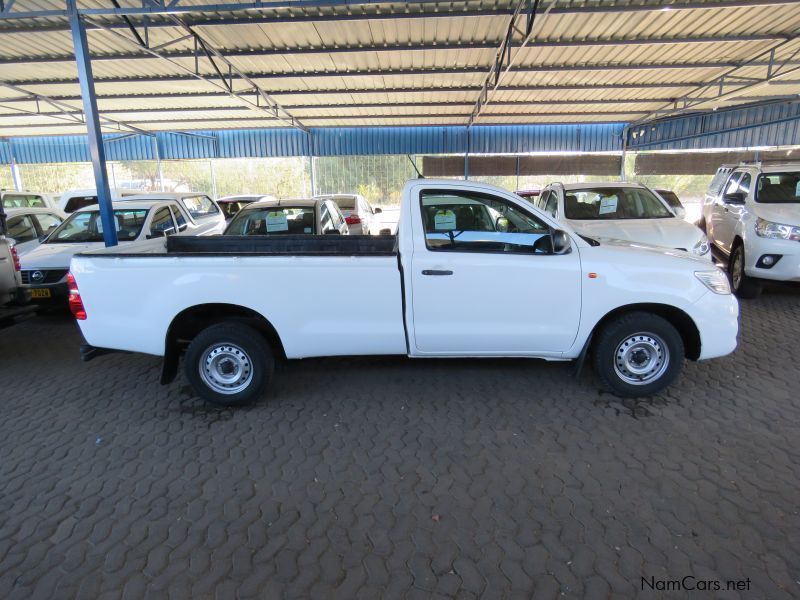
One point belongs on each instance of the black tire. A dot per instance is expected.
(229, 346)
(743, 285)
(657, 338)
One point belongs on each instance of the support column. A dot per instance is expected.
(213, 180)
(15, 175)
(159, 171)
(466, 159)
(622, 173)
(86, 78)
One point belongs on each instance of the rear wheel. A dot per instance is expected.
(229, 364)
(638, 354)
(743, 285)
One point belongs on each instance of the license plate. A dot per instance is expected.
(41, 293)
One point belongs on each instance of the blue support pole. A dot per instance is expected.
(95, 136)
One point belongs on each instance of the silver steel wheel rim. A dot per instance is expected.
(641, 359)
(226, 368)
(737, 269)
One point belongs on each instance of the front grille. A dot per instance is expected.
(52, 276)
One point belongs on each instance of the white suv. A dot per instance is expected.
(754, 220)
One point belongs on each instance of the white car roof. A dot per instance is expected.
(126, 204)
(162, 196)
(603, 184)
(289, 202)
(250, 197)
(93, 192)
(22, 210)
(780, 167)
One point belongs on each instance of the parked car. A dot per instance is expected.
(358, 213)
(312, 216)
(205, 215)
(754, 221)
(28, 200)
(44, 269)
(10, 290)
(475, 271)
(28, 227)
(231, 205)
(671, 198)
(73, 200)
(623, 211)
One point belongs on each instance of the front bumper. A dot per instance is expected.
(787, 268)
(717, 320)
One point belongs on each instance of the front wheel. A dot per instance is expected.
(638, 354)
(743, 285)
(229, 364)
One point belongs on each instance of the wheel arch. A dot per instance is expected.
(194, 319)
(679, 319)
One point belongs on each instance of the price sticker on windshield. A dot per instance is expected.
(276, 221)
(608, 205)
(444, 220)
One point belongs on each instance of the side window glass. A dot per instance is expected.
(744, 183)
(326, 222)
(162, 221)
(21, 229)
(732, 185)
(551, 207)
(541, 201)
(473, 222)
(48, 222)
(200, 206)
(179, 218)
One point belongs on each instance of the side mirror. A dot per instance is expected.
(561, 242)
(501, 224)
(333, 232)
(734, 198)
(377, 211)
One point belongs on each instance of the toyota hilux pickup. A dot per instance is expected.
(474, 271)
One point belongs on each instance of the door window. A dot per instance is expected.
(21, 229)
(744, 183)
(23, 201)
(177, 213)
(551, 207)
(326, 221)
(162, 222)
(47, 222)
(541, 201)
(200, 206)
(475, 222)
(733, 184)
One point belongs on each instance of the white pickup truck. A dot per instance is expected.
(475, 271)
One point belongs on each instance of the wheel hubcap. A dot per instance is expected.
(641, 359)
(226, 368)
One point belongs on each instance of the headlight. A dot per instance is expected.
(714, 280)
(702, 247)
(768, 229)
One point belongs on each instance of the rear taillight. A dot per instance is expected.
(15, 258)
(353, 220)
(75, 302)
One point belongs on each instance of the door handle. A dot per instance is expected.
(436, 272)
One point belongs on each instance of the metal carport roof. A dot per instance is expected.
(192, 65)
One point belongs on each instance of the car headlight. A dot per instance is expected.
(702, 247)
(779, 231)
(714, 280)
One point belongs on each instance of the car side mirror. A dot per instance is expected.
(501, 224)
(561, 242)
(734, 198)
(333, 232)
(377, 211)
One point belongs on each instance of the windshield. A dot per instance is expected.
(614, 203)
(778, 188)
(273, 220)
(670, 198)
(23, 201)
(85, 226)
(345, 202)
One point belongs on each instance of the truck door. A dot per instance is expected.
(484, 279)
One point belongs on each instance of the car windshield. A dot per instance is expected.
(273, 220)
(614, 203)
(22, 201)
(345, 202)
(778, 188)
(670, 198)
(85, 226)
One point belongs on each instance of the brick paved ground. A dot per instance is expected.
(367, 478)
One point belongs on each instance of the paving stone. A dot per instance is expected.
(391, 478)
